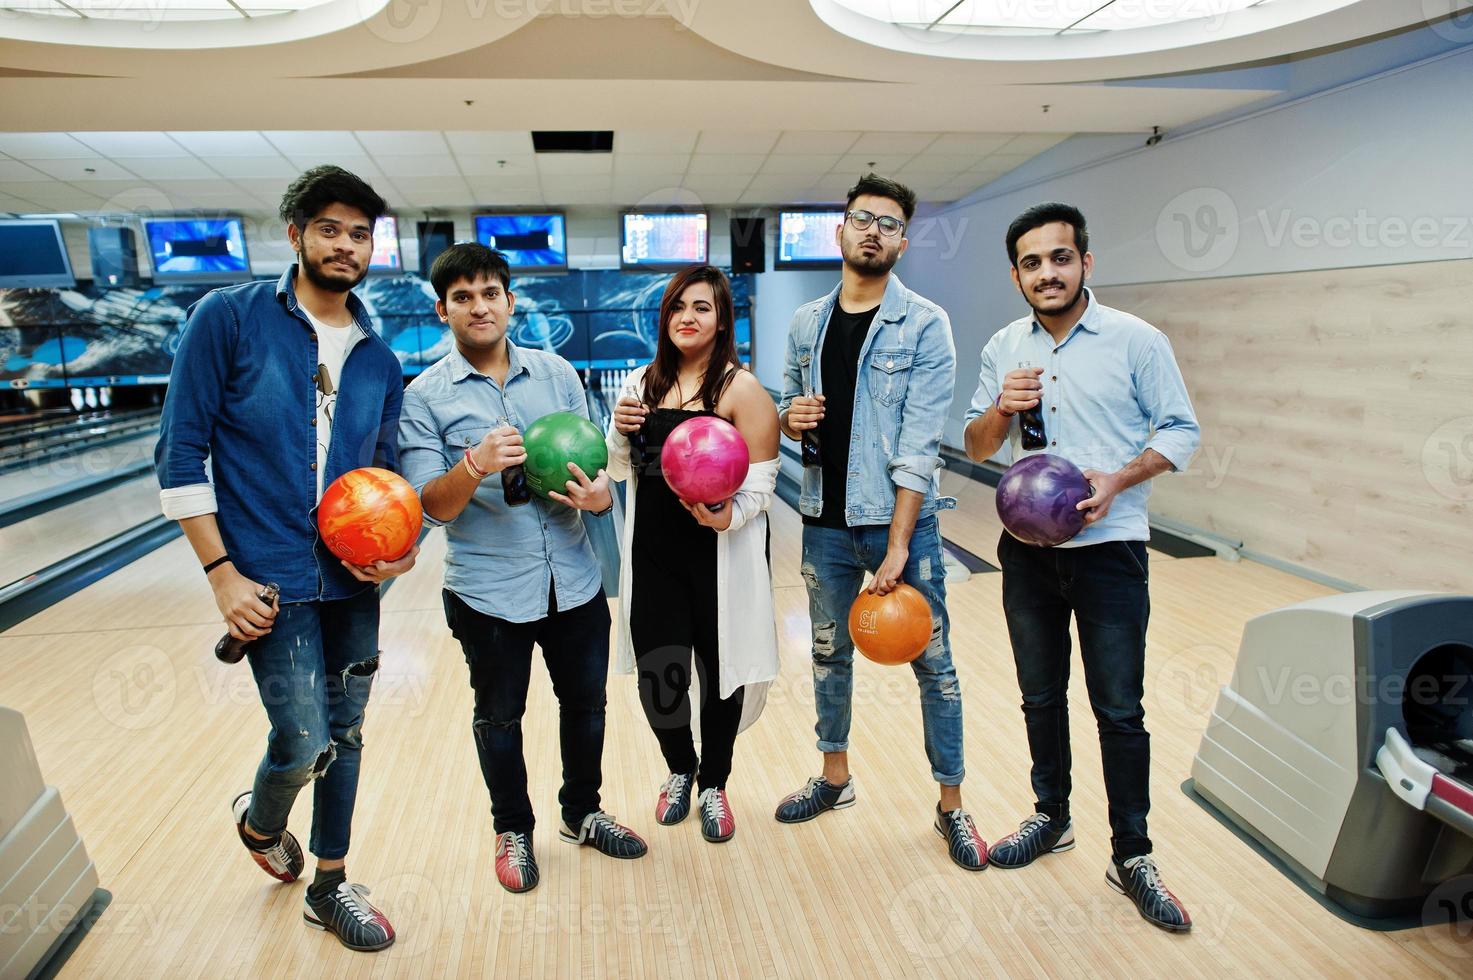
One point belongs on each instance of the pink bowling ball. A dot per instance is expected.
(705, 460)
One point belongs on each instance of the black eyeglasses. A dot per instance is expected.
(861, 220)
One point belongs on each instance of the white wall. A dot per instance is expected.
(1375, 173)
(777, 295)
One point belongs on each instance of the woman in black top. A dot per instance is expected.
(673, 613)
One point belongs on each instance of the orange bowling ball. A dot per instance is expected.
(369, 514)
(891, 629)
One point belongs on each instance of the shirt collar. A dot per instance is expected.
(460, 368)
(892, 305)
(1090, 320)
(286, 291)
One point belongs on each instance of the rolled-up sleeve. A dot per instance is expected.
(197, 383)
(927, 397)
(988, 388)
(1163, 398)
(422, 455)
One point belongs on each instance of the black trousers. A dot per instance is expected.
(672, 623)
(575, 646)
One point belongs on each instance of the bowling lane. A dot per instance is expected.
(87, 463)
(47, 538)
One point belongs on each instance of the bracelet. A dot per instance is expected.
(1000, 410)
(474, 469)
(216, 563)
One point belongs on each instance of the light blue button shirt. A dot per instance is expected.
(502, 560)
(1111, 390)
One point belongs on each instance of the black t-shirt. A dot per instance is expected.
(839, 364)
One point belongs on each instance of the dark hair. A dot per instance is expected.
(1046, 214)
(468, 260)
(660, 376)
(319, 187)
(876, 186)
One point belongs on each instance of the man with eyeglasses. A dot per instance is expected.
(867, 381)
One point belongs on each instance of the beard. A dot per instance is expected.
(333, 282)
(878, 264)
(1055, 310)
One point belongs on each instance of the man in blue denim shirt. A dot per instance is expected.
(284, 386)
(1112, 401)
(869, 372)
(516, 574)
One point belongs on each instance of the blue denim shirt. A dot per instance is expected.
(243, 393)
(1111, 390)
(502, 560)
(907, 368)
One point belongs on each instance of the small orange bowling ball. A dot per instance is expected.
(891, 629)
(369, 514)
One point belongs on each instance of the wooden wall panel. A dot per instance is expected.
(1337, 416)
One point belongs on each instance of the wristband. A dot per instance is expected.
(1000, 410)
(470, 464)
(216, 563)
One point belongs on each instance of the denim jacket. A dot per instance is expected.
(243, 394)
(907, 369)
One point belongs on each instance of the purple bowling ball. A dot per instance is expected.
(1036, 499)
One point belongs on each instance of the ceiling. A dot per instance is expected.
(416, 170)
(717, 102)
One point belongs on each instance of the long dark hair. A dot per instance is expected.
(660, 376)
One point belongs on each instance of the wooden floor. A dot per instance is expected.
(149, 739)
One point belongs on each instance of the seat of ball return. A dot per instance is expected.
(1343, 746)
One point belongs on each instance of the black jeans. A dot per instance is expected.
(575, 646)
(1105, 587)
(672, 620)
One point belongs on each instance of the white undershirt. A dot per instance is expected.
(332, 348)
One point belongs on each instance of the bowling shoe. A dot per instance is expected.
(516, 867)
(1139, 880)
(816, 796)
(673, 805)
(718, 823)
(282, 860)
(1035, 837)
(346, 913)
(599, 831)
(966, 846)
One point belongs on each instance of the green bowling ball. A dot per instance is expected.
(554, 441)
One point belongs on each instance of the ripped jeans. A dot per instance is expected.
(314, 672)
(834, 563)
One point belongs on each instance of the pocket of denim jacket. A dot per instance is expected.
(889, 375)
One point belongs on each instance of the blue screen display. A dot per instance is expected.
(655, 240)
(33, 255)
(806, 238)
(198, 249)
(529, 241)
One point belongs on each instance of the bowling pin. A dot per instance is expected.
(77, 399)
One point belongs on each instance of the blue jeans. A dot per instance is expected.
(1105, 587)
(834, 563)
(314, 672)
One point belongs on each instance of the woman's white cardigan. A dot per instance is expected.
(746, 627)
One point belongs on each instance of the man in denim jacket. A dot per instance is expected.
(283, 386)
(868, 378)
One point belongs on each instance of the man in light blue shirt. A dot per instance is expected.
(1111, 399)
(518, 572)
